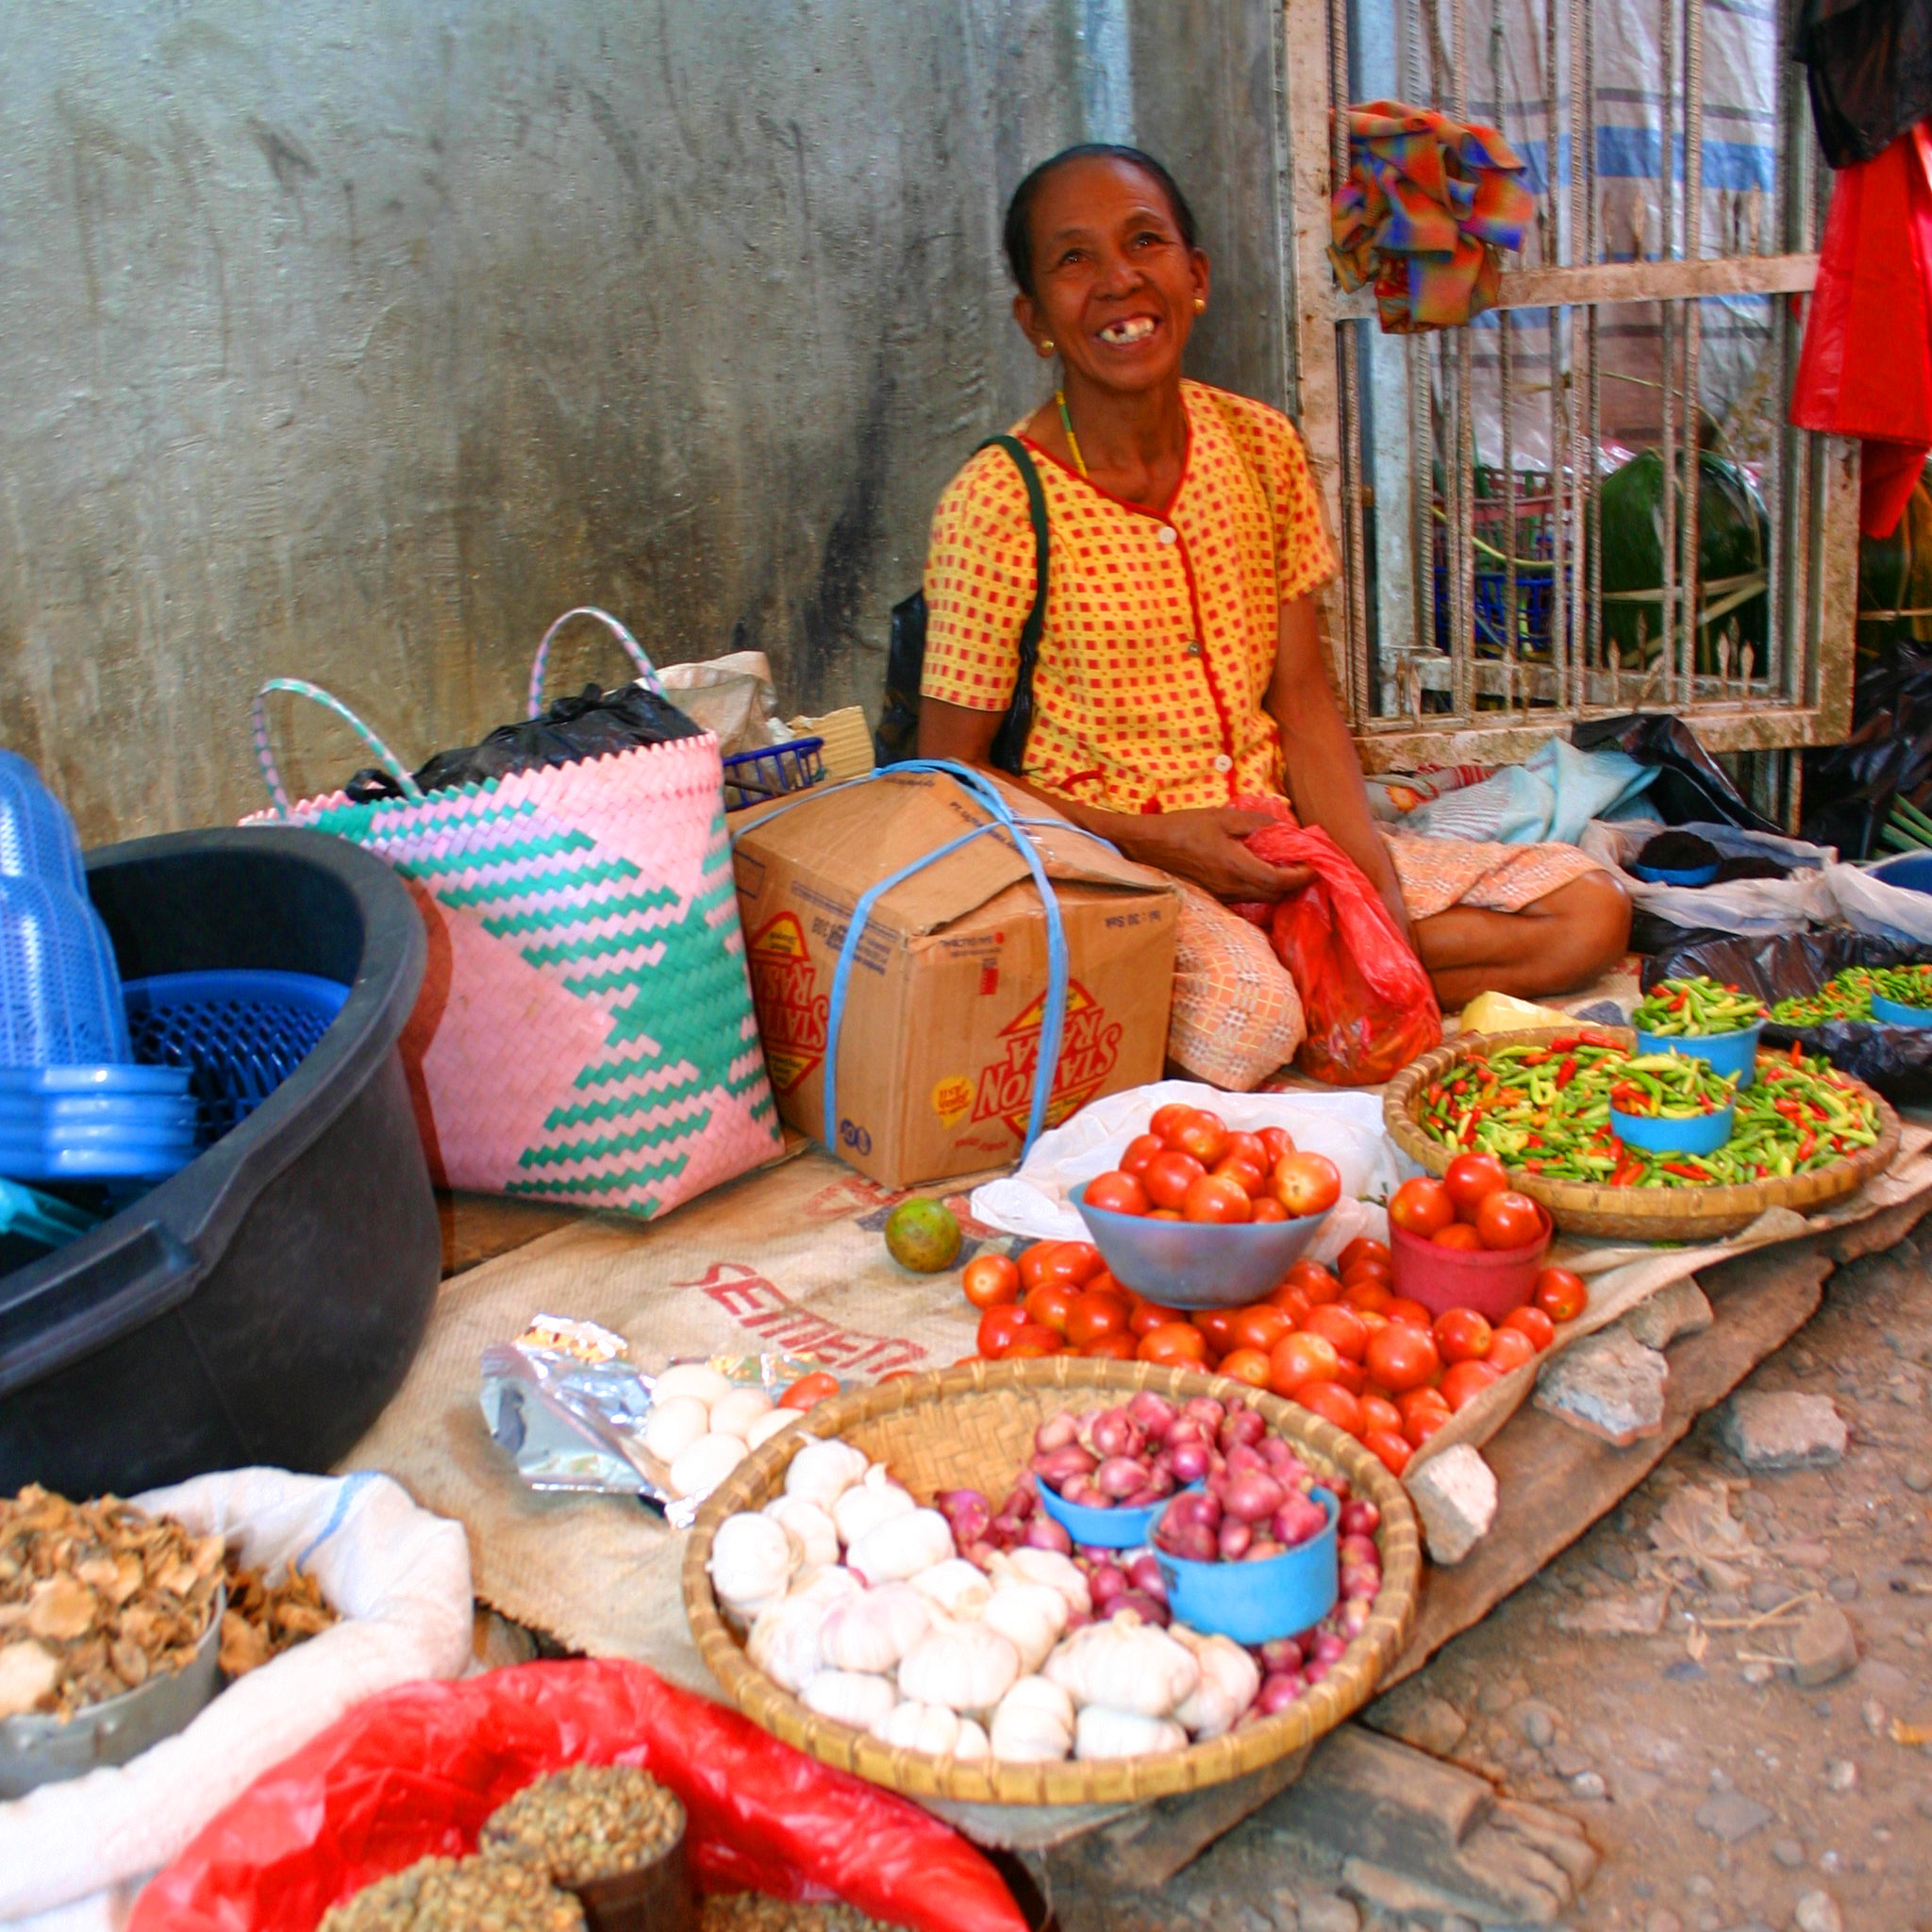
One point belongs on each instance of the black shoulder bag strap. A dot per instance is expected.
(1010, 741)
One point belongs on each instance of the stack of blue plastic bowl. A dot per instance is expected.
(72, 1106)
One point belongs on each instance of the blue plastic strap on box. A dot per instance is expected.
(1003, 819)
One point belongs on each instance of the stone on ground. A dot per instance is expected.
(1823, 1647)
(1731, 1815)
(1455, 1495)
(1409, 1713)
(1679, 1308)
(1768, 1431)
(1818, 1913)
(1608, 1385)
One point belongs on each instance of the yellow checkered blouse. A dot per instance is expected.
(1160, 627)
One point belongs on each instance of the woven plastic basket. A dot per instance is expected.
(972, 1426)
(1642, 1214)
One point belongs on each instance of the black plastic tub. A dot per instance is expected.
(264, 1302)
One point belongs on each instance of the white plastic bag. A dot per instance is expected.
(1347, 1127)
(400, 1578)
(1740, 906)
(1887, 912)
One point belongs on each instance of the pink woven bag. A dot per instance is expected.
(585, 1030)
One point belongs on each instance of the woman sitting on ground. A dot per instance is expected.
(1181, 666)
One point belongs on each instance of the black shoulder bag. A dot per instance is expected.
(897, 737)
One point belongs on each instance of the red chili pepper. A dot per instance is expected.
(1677, 1000)
(1589, 1037)
(1566, 1073)
(1689, 1174)
(1535, 1057)
(1531, 1166)
(1797, 1054)
(1629, 1173)
(1566, 1043)
(1808, 1142)
(1468, 1130)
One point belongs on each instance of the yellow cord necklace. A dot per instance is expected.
(1060, 395)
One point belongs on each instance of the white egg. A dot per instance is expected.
(691, 1379)
(769, 1424)
(706, 1464)
(672, 1426)
(733, 1414)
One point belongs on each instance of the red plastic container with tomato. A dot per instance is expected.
(1467, 1240)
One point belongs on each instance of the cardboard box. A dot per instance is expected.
(942, 1010)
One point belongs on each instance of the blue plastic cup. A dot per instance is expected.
(1892, 1013)
(1253, 1603)
(1104, 1529)
(1659, 875)
(1734, 1054)
(1703, 1133)
(1197, 1264)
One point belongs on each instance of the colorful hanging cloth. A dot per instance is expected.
(1427, 207)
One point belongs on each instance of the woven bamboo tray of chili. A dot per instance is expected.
(1636, 1196)
(973, 1427)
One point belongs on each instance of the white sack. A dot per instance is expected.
(1887, 912)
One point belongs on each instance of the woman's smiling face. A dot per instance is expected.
(1115, 283)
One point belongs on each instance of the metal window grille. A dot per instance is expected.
(1488, 601)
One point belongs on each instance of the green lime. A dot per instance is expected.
(923, 1235)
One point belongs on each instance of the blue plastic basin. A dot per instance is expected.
(1657, 875)
(1892, 1013)
(1106, 1530)
(1913, 871)
(1703, 1133)
(1254, 1602)
(1197, 1264)
(1734, 1054)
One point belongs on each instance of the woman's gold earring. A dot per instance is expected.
(1200, 305)
(1046, 347)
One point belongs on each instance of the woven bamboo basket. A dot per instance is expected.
(971, 1427)
(1643, 1214)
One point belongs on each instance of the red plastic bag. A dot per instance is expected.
(1368, 1003)
(414, 1773)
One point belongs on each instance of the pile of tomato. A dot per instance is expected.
(1191, 1166)
(1339, 1341)
(1472, 1206)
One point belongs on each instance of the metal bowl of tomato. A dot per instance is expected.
(1197, 1264)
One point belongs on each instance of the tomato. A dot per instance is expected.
(1369, 1267)
(1174, 1345)
(1352, 1377)
(1306, 1183)
(1277, 1143)
(1169, 1177)
(1560, 1295)
(1341, 1325)
(1166, 1119)
(1248, 1148)
(1117, 1194)
(1414, 1402)
(997, 1327)
(1422, 1208)
(1140, 1150)
(1400, 1357)
(1332, 1400)
(1291, 1301)
(1463, 1382)
(1314, 1281)
(1163, 1214)
(1389, 1448)
(1150, 1315)
(990, 1280)
(1077, 1262)
(1201, 1135)
(1363, 1249)
(1094, 1315)
(1371, 1319)
(1249, 1365)
(1245, 1174)
(1464, 1336)
(1297, 1359)
(1424, 1423)
(1509, 1348)
(1266, 1207)
(1508, 1220)
(1031, 1342)
(1367, 1293)
(1378, 1412)
(1217, 1324)
(1032, 1261)
(1216, 1199)
(1411, 1314)
(1259, 1326)
(1104, 1283)
(1459, 1235)
(1472, 1177)
(1532, 1321)
(1112, 1348)
(1050, 1304)
(808, 1390)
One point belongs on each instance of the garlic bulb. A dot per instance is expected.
(753, 1559)
(972, 1740)
(958, 1587)
(703, 1464)
(734, 1414)
(1030, 1616)
(873, 1630)
(1230, 1679)
(822, 1472)
(693, 1379)
(1103, 1733)
(768, 1425)
(827, 1586)
(929, 1727)
(818, 1541)
(1034, 1723)
(672, 1426)
(901, 1547)
(1124, 1665)
(851, 1697)
(784, 1641)
(963, 1666)
(1048, 1567)
(867, 1504)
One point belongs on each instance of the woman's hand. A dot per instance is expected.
(1207, 847)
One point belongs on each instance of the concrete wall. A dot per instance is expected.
(354, 342)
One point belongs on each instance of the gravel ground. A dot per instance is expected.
(1720, 1793)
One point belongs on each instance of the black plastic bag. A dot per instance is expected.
(1690, 787)
(897, 735)
(1897, 1060)
(1869, 63)
(592, 725)
(1849, 789)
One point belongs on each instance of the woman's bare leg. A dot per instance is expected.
(1555, 944)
